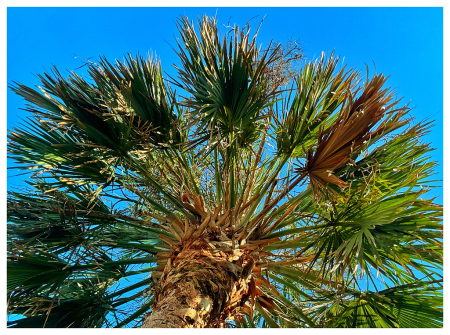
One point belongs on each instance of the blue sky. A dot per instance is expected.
(405, 43)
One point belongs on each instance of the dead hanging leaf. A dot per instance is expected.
(247, 310)
(257, 270)
(266, 302)
(252, 288)
(239, 318)
(351, 131)
(259, 292)
(260, 280)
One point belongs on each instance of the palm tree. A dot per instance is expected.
(240, 202)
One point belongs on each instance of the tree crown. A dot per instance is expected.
(320, 176)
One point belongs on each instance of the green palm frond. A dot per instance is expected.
(417, 305)
(319, 90)
(227, 80)
(85, 306)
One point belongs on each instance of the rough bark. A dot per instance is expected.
(200, 287)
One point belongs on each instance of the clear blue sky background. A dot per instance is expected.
(406, 43)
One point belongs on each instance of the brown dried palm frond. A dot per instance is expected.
(352, 130)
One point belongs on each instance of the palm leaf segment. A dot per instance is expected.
(126, 177)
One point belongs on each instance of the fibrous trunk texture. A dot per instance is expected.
(200, 287)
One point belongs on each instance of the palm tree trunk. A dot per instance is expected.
(200, 287)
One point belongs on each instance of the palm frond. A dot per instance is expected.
(352, 129)
(227, 79)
